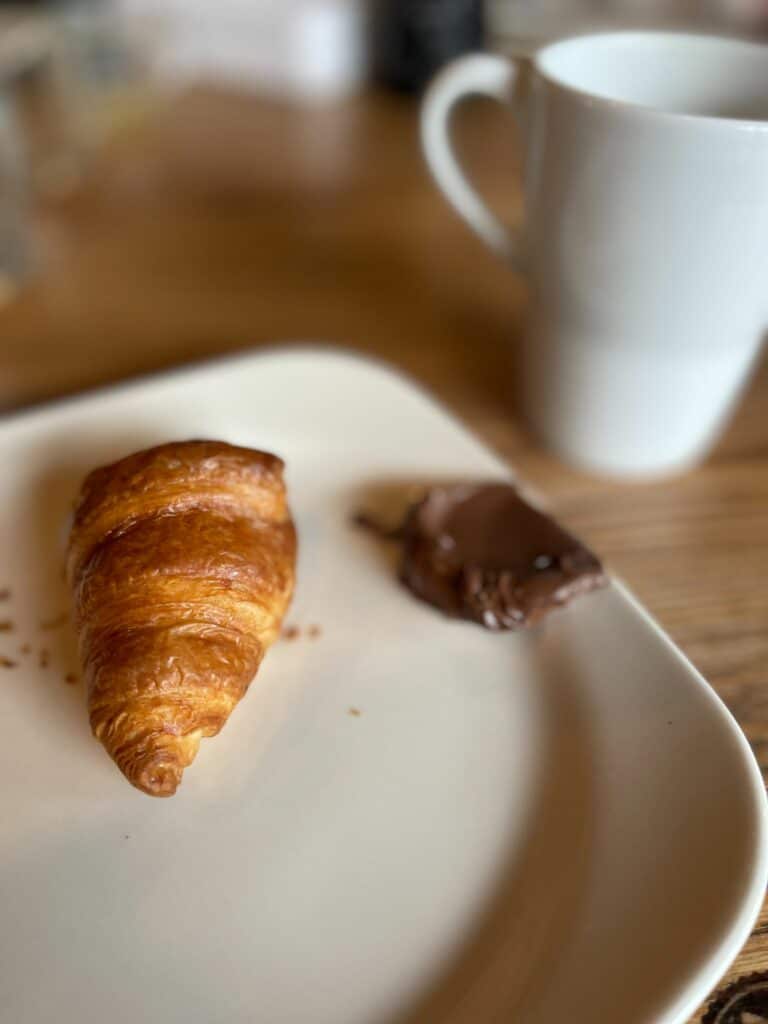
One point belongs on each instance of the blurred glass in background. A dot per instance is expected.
(102, 67)
(91, 84)
(22, 46)
(15, 248)
(73, 76)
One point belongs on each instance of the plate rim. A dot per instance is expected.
(700, 985)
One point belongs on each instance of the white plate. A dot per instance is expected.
(563, 825)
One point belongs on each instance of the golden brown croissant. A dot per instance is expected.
(181, 559)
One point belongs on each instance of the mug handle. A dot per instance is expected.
(482, 74)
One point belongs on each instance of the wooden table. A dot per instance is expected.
(229, 222)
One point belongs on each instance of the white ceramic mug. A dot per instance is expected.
(645, 236)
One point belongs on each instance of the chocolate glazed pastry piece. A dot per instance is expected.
(480, 552)
(181, 562)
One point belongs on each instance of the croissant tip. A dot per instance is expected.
(158, 778)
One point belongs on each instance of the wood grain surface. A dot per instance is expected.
(228, 222)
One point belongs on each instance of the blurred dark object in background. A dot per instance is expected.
(412, 39)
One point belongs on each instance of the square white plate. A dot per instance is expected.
(564, 824)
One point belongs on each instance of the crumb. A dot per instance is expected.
(70, 678)
(355, 712)
(6, 626)
(291, 633)
(314, 631)
(56, 622)
(25, 649)
(44, 658)
(4, 594)
(7, 662)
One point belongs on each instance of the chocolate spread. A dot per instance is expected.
(481, 552)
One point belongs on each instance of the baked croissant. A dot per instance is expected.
(181, 560)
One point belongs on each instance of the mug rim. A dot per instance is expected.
(542, 56)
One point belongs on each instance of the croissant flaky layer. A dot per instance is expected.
(181, 561)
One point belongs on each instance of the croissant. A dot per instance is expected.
(181, 561)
